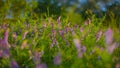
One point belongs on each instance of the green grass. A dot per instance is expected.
(40, 39)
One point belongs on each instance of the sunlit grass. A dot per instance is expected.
(61, 42)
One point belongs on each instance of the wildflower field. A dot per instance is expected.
(59, 42)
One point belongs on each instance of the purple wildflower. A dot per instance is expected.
(66, 29)
(109, 36)
(51, 45)
(13, 64)
(6, 36)
(75, 26)
(83, 49)
(80, 54)
(53, 42)
(57, 59)
(77, 43)
(4, 26)
(62, 33)
(67, 42)
(53, 31)
(58, 20)
(111, 48)
(25, 33)
(42, 65)
(4, 45)
(72, 31)
(6, 52)
(81, 29)
(99, 34)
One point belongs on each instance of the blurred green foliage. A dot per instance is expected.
(11, 10)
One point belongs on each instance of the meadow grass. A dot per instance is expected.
(60, 43)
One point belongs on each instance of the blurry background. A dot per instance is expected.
(12, 9)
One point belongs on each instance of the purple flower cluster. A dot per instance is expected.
(98, 35)
(57, 59)
(4, 45)
(80, 49)
(110, 44)
(109, 36)
(13, 64)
